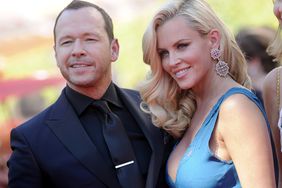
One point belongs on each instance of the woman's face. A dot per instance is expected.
(277, 9)
(184, 53)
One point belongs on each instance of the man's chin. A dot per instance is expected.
(82, 83)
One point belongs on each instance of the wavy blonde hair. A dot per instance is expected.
(275, 48)
(172, 108)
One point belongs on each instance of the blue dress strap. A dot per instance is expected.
(213, 114)
(249, 94)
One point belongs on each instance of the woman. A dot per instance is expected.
(198, 91)
(272, 92)
(253, 41)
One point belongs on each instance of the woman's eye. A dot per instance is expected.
(180, 46)
(163, 54)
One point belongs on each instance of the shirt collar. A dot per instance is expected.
(80, 102)
(111, 96)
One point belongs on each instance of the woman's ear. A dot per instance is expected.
(214, 37)
(114, 50)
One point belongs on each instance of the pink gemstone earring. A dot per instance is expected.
(221, 67)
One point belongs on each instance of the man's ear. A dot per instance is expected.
(114, 50)
(214, 37)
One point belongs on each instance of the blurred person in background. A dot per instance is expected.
(4, 171)
(198, 91)
(272, 90)
(95, 134)
(253, 42)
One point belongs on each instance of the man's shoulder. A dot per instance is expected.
(35, 121)
(39, 119)
(132, 92)
(129, 92)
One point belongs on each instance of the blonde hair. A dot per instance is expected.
(275, 48)
(172, 108)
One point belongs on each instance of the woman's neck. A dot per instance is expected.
(212, 90)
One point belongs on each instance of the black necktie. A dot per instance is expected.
(120, 149)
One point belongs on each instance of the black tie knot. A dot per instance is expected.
(102, 106)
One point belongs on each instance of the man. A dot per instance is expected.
(66, 144)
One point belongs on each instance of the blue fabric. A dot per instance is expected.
(199, 167)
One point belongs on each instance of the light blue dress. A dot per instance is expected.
(199, 167)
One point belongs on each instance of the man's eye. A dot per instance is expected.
(91, 39)
(66, 42)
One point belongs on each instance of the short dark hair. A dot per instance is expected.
(77, 4)
(254, 41)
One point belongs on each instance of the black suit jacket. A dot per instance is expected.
(53, 150)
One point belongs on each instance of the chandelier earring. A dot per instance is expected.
(221, 68)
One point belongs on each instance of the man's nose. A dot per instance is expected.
(78, 49)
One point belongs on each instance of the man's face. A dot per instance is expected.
(83, 50)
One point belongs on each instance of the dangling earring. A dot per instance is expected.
(221, 67)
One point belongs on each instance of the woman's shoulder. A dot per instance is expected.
(271, 78)
(239, 110)
(237, 96)
(242, 103)
(271, 83)
(238, 100)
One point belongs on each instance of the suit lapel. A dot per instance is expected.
(66, 126)
(153, 135)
